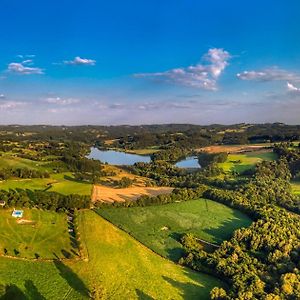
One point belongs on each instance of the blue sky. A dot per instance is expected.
(137, 62)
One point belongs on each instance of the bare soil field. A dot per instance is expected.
(231, 149)
(110, 194)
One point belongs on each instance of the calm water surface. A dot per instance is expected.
(117, 158)
(189, 162)
(121, 158)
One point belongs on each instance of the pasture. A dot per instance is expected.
(39, 234)
(160, 227)
(63, 183)
(8, 160)
(41, 280)
(118, 267)
(109, 194)
(242, 162)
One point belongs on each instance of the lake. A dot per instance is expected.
(190, 162)
(117, 158)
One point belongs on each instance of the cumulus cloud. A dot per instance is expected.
(292, 88)
(80, 61)
(61, 101)
(203, 76)
(269, 74)
(23, 68)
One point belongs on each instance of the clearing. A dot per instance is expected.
(247, 161)
(161, 227)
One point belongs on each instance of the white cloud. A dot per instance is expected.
(62, 101)
(2, 96)
(26, 56)
(292, 88)
(80, 61)
(21, 68)
(11, 105)
(269, 74)
(203, 76)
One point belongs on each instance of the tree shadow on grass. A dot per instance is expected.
(12, 292)
(142, 296)
(72, 278)
(226, 228)
(32, 291)
(192, 290)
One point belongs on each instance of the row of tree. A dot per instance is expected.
(44, 200)
(7, 173)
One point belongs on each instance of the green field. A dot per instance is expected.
(46, 234)
(63, 183)
(8, 160)
(243, 162)
(118, 267)
(41, 280)
(160, 227)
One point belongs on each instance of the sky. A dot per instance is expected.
(149, 62)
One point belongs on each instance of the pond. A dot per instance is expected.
(190, 162)
(117, 158)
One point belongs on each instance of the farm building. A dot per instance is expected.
(17, 213)
(2, 203)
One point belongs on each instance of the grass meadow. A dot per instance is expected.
(116, 266)
(160, 227)
(63, 183)
(41, 234)
(242, 162)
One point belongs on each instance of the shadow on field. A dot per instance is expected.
(188, 290)
(142, 296)
(12, 292)
(72, 278)
(227, 227)
(32, 291)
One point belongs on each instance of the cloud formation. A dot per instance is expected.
(292, 88)
(269, 74)
(80, 61)
(23, 68)
(10, 105)
(202, 76)
(61, 101)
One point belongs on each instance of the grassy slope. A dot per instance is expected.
(119, 267)
(125, 269)
(247, 161)
(41, 279)
(207, 219)
(62, 183)
(7, 160)
(47, 236)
